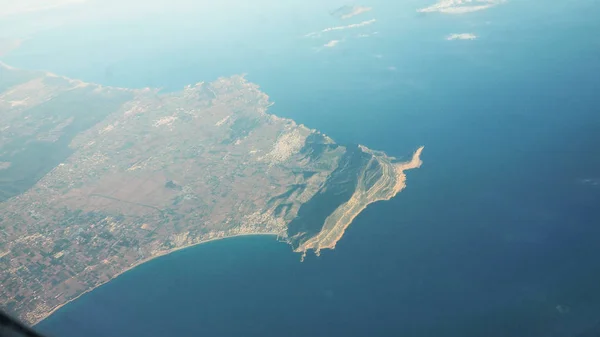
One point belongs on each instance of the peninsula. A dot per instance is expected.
(95, 180)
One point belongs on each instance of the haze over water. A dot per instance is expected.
(495, 235)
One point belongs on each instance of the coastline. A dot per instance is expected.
(392, 181)
(163, 253)
(336, 224)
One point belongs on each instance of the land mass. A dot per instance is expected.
(377, 179)
(95, 180)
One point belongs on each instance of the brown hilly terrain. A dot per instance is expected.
(95, 180)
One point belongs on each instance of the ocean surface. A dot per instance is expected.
(497, 234)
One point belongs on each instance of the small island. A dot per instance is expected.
(96, 180)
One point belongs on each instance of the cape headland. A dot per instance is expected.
(95, 180)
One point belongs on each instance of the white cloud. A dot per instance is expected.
(460, 6)
(356, 11)
(6, 45)
(354, 25)
(595, 182)
(363, 35)
(462, 36)
(5, 66)
(331, 43)
(25, 6)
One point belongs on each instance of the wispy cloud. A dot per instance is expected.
(22, 6)
(6, 45)
(354, 25)
(347, 11)
(363, 35)
(330, 29)
(356, 10)
(462, 36)
(594, 182)
(460, 6)
(332, 43)
(5, 66)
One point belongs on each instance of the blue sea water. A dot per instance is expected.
(496, 235)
